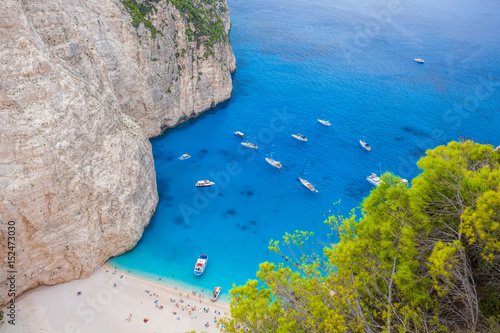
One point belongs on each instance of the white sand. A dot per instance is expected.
(104, 308)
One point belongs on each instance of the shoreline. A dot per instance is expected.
(169, 286)
(111, 300)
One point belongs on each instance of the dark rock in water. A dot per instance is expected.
(280, 197)
(168, 198)
(179, 220)
(254, 232)
(203, 151)
(170, 158)
(354, 191)
(326, 178)
(231, 212)
(224, 153)
(249, 193)
(187, 240)
(400, 138)
(415, 131)
(220, 194)
(417, 152)
(167, 205)
(275, 211)
(253, 222)
(224, 215)
(244, 227)
(238, 225)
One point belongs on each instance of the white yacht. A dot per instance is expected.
(374, 179)
(200, 265)
(365, 145)
(184, 157)
(204, 183)
(300, 137)
(239, 134)
(308, 185)
(304, 182)
(297, 135)
(322, 121)
(270, 160)
(274, 163)
(420, 61)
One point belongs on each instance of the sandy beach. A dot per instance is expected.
(114, 301)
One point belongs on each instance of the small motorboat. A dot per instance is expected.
(274, 163)
(204, 183)
(239, 134)
(216, 294)
(184, 157)
(200, 265)
(420, 61)
(365, 145)
(249, 145)
(374, 179)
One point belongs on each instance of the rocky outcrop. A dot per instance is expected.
(83, 85)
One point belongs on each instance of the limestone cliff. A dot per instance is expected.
(83, 85)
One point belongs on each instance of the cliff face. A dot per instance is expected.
(83, 84)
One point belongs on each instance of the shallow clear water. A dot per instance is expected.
(355, 59)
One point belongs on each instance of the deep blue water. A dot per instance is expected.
(355, 59)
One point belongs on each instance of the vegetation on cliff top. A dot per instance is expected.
(139, 12)
(203, 19)
(420, 259)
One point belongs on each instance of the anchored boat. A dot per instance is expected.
(365, 145)
(322, 121)
(200, 265)
(297, 135)
(374, 179)
(216, 294)
(304, 182)
(204, 183)
(270, 160)
(184, 157)
(420, 61)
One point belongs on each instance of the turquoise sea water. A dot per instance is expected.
(355, 59)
